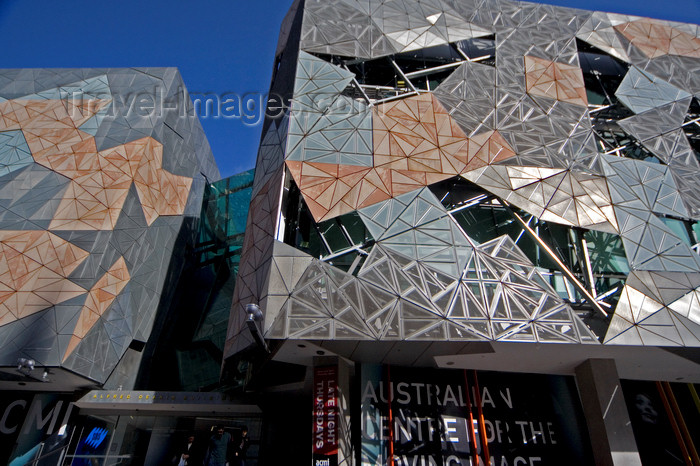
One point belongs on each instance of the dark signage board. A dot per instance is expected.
(325, 416)
(525, 419)
(665, 420)
(94, 439)
(31, 424)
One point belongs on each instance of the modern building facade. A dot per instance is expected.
(471, 237)
(104, 173)
(481, 186)
(103, 180)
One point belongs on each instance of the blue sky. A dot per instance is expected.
(219, 46)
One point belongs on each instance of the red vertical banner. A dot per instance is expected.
(326, 416)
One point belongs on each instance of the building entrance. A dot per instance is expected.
(160, 440)
(105, 428)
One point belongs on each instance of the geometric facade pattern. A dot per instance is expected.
(35, 270)
(657, 309)
(100, 179)
(476, 171)
(488, 302)
(399, 222)
(563, 196)
(98, 301)
(365, 30)
(658, 38)
(415, 144)
(558, 81)
(327, 127)
(424, 258)
(98, 195)
(15, 153)
(640, 91)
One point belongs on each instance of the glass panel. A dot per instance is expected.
(350, 262)
(611, 137)
(483, 217)
(202, 311)
(606, 252)
(91, 440)
(413, 326)
(692, 131)
(416, 60)
(479, 327)
(679, 228)
(431, 81)
(602, 73)
(378, 72)
(479, 47)
(333, 235)
(553, 335)
(379, 78)
(558, 282)
(355, 228)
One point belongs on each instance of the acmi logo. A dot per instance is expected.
(96, 437)
(323, 463)
(42, 415)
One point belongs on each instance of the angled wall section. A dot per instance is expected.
(99, 195)
(482, 171)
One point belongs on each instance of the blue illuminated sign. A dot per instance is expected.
(96, 437)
